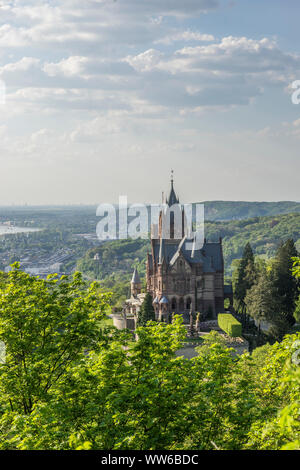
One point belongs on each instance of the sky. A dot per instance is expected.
(104, 97)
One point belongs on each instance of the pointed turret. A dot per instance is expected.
(173, 199)
(136, 286)
(135, 277)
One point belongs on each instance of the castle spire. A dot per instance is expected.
(135, 283)
(172, 197)
(135, 277)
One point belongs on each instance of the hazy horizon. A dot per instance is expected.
(94, 205)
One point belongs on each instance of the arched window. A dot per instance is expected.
(173, 305)
(181, 305)
(188, 303)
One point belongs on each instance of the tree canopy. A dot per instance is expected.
(68, 383)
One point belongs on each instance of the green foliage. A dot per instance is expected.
(285, 284)
(296, 267)
(117, 258)
(246, 276)
(273, 296)
(45, 326)
(278, 394)
(296, 273)
(114, 266)
(70, 230)
(141, 396)
(68, 383)
(237, 210)
(297, 311)
(260, 301)
(146, 312)
(260, 232)
(229, 324)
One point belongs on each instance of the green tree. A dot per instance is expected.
(128, 395)
(285, 284)
(297, 311)
(296, 273)
(296, 267)
(102, 390)
(259, 300)
(146, 312)
(45, 325)
(262, 305)
(277, 399)
(139, 395)
(245, 278)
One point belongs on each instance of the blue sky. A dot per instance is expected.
(104, 97)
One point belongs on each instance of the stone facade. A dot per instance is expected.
(180, 279)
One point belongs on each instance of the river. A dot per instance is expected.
(11, 229)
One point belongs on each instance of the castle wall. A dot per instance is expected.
(121, 323)
(186, 284)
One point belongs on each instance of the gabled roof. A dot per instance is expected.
(210, 255)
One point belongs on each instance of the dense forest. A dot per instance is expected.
(230, 210)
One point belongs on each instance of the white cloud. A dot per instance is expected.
(22, 65)
(145, 61)
(112, 53)
(75, 23)
(187, 36)
(232, 71)
(228, 72)
(69, 67)
(110, 83)
(97, 129)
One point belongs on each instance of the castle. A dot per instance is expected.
(180, 279)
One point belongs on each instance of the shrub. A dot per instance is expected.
(229, 324)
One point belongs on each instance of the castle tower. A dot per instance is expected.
(172, 218)
(136, 286)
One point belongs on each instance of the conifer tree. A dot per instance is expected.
(146, 312)
(285, 284)
(245, 279)
(260, 301)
